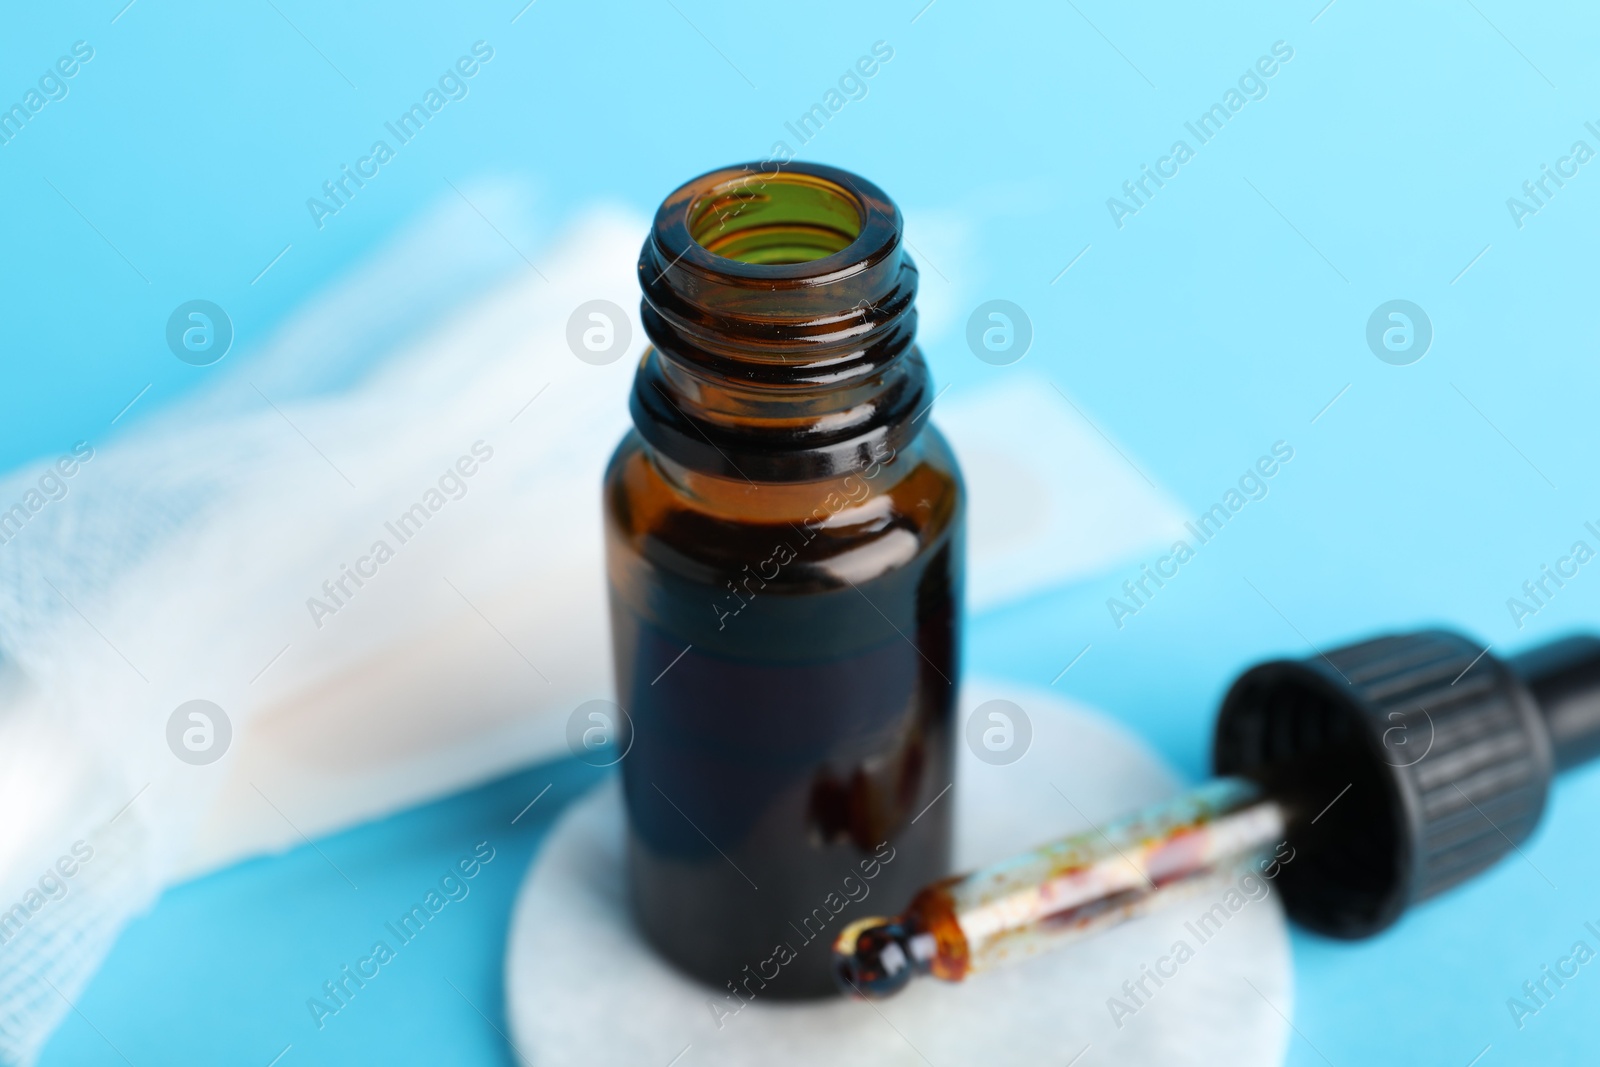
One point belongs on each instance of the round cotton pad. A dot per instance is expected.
(582, 988)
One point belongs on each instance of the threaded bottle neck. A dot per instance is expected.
(780, 307)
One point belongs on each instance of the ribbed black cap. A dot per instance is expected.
(1409, 764)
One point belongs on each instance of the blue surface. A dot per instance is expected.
(1223, 316)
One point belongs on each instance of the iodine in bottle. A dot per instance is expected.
(785, 554)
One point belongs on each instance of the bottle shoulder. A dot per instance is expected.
(891, 512)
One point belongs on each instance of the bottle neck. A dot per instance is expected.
(795, 361)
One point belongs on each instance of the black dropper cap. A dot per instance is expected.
(1408, 763)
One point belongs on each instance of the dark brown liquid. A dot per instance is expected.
(793, 738)
(785, 547)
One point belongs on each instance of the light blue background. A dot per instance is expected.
(1223, 317)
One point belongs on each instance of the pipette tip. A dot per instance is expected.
(872, 958)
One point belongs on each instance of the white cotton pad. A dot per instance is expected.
(582, 987)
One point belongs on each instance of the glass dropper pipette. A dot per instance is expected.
(1065, 890)
(1388, 771)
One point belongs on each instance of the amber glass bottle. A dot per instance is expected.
(785, 550)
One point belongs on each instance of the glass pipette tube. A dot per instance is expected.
(1065, 890)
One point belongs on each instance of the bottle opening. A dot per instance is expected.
(780, 311)
(775, 219)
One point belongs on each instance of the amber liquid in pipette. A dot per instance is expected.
(1064, 890)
